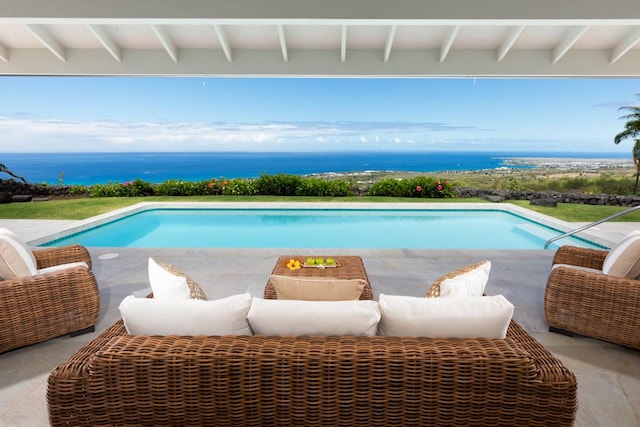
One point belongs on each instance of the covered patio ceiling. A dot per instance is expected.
(327, 38)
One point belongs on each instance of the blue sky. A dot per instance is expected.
(121, 114)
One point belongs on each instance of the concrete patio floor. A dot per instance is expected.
(608, 375)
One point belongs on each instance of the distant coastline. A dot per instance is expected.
(93, 168)
(570, 163)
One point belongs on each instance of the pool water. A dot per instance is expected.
(321, 228)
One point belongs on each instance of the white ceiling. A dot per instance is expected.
(334, 38)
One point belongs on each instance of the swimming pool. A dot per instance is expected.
(320, 228)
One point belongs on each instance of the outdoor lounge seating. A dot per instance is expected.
(581, 298)
(57, 295)
(259, 380)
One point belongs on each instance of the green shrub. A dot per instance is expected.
(215, 186)
(387, 187)
(277, 185)
(321, 187)
(239, 187)
(421, 186)
(133, 188)
(79, 190)
(615, 185)
(175, 187)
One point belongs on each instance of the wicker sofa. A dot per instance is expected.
(43, 306)
(256, 380)
(590, 303)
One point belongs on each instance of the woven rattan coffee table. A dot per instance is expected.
(349, 267)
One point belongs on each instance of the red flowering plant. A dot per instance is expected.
(421, 186)
(432, 188)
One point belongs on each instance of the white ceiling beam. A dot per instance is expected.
(389, 45)
(567, 42)
(4, 53)
(508, 42)
(343, 45)
(106, 41)
(624, 47)
(448, 42)
(283, 43)
(363, 62)
(47, 40)
(222, 38)
(166, 41)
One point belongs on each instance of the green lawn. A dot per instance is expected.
(88, 207)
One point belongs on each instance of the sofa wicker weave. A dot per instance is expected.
(37, 308)
(590, 303)
(311, 381)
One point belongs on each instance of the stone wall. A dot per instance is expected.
(12, 190)
(578, 198)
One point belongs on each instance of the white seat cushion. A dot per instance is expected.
(464, 317)
(623, 260)
(16, 259)
(61, 267)
(308, 318)
(577, 267)
(150, 316)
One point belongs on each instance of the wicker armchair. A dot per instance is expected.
(587, 302)
(36, 308)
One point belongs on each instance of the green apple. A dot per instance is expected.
(319, 261)
(330, 261)
(310, 261)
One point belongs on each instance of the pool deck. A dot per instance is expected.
(608, 375)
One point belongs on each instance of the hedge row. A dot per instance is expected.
(272, 185)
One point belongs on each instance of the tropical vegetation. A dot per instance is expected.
(272, 185)
(632, 131)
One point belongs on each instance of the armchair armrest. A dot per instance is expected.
(594, 304)
(583, 257)
(44, 306)
(62, 255)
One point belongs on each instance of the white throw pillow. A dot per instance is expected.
(467, 281)
(308, 318)
(150, 316)
(16, 259)
(623, 260)
(168, 282)
(465, 317)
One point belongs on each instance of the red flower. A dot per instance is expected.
(418, 189)
(439, 187)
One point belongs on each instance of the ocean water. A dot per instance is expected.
(94, 168)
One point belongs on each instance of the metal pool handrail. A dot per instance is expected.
(584, 227)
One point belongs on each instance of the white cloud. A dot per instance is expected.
(30, 135)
